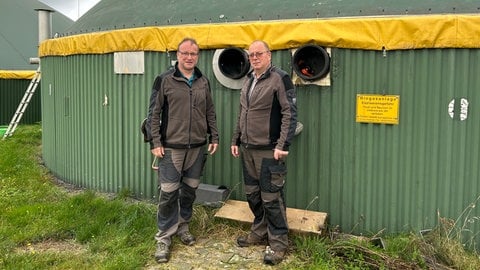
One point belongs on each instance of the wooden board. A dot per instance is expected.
(298, 219)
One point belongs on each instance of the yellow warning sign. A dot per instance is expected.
(383, 109)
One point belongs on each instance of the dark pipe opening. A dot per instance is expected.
(311, 62)
(233, 63)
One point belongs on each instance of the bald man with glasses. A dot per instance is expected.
(264, 131)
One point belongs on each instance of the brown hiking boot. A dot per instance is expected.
(250, 240)
(273, 257)
(162, 255)
(187, 238)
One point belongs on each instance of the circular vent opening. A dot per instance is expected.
(233, 63)
(311, 62)
(230, 66)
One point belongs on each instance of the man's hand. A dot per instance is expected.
(158, 152)
(212, 148)
(234, 150)
(279, 154)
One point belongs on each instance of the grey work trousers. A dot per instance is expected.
(264, 178)
(179, 173)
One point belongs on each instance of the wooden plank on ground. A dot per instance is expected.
(298, 219)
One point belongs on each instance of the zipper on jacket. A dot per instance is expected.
(190, 120)
(247, 96)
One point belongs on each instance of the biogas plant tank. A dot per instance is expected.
(385, 94)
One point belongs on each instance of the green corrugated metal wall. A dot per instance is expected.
(91, 144)
(367, 177)
(11, 94)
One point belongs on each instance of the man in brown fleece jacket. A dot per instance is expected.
(265, 128)
(182, 116)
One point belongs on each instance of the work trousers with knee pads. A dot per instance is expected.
(179, 173)
(264, 178)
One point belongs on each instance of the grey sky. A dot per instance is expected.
(71, 8)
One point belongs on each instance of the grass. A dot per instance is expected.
(44, 226)
(38, 213)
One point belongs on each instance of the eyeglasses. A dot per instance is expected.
(192, 54)
(256, 54)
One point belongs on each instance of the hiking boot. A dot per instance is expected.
(187, 238)
(250, 240)
(273, 257)
(163, 253)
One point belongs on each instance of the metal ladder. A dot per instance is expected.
(23, 104)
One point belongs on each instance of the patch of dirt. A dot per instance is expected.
(213, 254)
(206, 254)
(53, 246)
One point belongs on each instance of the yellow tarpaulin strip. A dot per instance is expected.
(17, 74)
(368, 33)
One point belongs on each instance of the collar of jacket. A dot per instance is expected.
(266, 74)
(178, 74)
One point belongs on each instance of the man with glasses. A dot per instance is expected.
(263, 133)
(181, 117)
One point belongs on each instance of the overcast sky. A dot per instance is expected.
(71, 8)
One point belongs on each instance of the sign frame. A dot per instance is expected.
(378, 109)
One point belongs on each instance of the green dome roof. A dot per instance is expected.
(120, 14)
